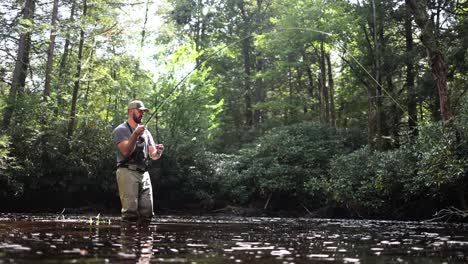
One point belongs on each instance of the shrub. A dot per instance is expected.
(10, 186)
(372, 182)
(289, 161)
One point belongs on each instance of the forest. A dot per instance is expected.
(321, 108)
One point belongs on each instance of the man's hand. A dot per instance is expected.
(139, 130)
(159, 149)
(156, 151)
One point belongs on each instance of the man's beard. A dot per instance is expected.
(137, 119)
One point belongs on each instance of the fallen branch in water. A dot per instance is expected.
(448, 213)
(61, 215)
(307, 210)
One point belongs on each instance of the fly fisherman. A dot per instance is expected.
(135, 146)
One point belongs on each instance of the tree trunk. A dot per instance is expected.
(114, 78)
(370, 116)
(259, 93)
(63, 63)
(310, 86)
(300, 87)
(76, 86)
(378, 77)
(136, 75)
(436, 57)
(410, 77)
(143, 32)
(50, 52)
(323, 86)
(371, 130)
(88, 83)
(21, 64)
(247, 83)
(197, 28)
(393, 116)
(246, 51)
(331, 87)
(289, 109)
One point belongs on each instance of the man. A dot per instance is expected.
(135, 145)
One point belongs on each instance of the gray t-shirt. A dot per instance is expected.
(140, 155)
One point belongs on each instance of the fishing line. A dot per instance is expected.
(307, 29)
(372, 77)
(211, 55)
(339, 43)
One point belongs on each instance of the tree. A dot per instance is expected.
(50, 51)
(22, 61)
(435, 55)
(410, 74)
(76, 86)
(64, 58)
(331, 87)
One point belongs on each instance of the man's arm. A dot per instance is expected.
(154, 150)
(126, 147)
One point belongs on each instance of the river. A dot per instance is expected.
(26, 238)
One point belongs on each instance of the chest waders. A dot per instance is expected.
(137, 160)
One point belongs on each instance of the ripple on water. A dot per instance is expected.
(197, 245)
(281, 252)
(246, 246)
(14, 247)
(457, 243)
(377, 249)
(126, 255)
(351, 260)
(245, 240)
(320, 257)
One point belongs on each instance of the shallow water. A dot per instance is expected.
(84, 239)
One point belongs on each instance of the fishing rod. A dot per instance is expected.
(210, 56)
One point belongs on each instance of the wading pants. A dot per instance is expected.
(136, 195)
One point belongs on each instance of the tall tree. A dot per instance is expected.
(195, 19)
(375, 35)
(377, 32)
(247, 62)
(63, 69)
(76, 84)
(50, 51)
(310, 78)
(410, 75)
(331, 88)
(436, 57)
(259, 95)
(22, 61)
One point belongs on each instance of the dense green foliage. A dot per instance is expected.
(275, 105)
(397, 181)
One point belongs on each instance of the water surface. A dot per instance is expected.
(170, 239)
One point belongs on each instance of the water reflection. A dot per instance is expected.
(136, 243)
(29, 238)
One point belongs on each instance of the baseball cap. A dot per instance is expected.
(137, 104)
